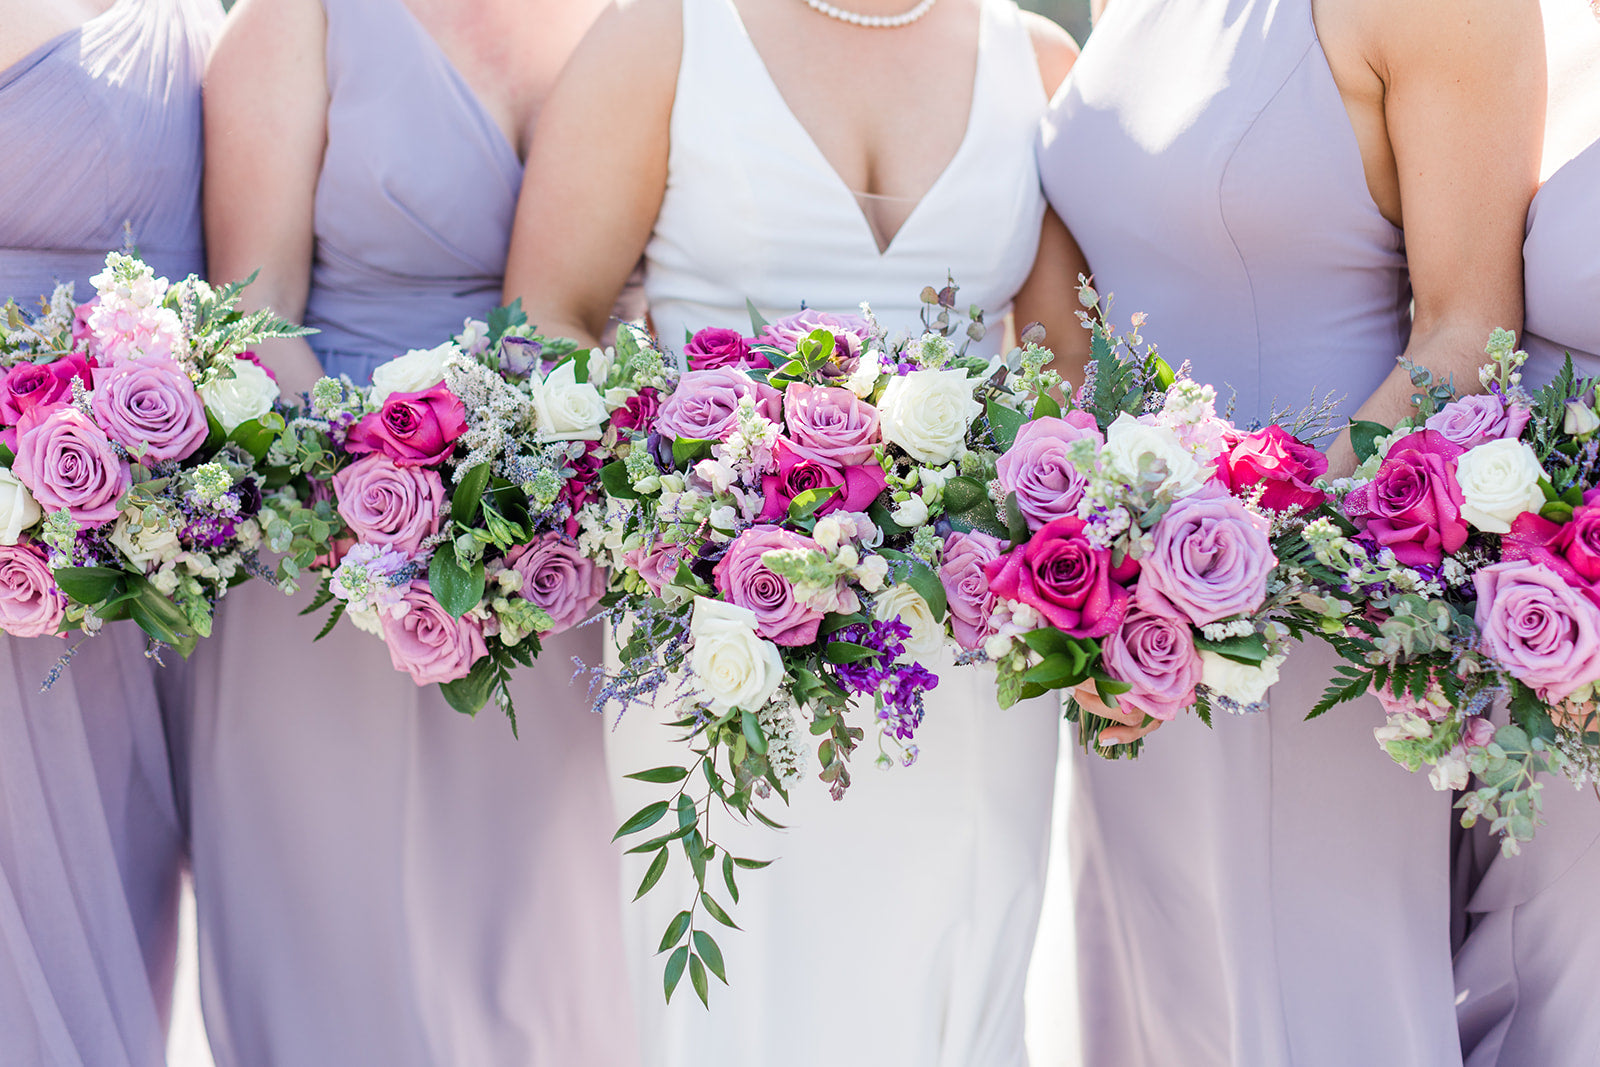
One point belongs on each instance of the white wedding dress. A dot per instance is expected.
(896, 926)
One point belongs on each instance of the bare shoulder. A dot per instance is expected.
(1053, 47)
(270, 39)
(642, 37)
(1478, 38)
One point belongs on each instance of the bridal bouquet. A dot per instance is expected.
(460, 482)
(1467, 556)
(772, 543)
(135, 433)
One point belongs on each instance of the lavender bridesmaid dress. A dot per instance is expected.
(1269, 891)
(101, 135)
(381, 881)
(1528, 972)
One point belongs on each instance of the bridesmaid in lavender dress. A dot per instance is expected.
(382, 881)
(1272, 891)
(100, 119)
(1529, 971)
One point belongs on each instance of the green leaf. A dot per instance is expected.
(847, 652)
(751, 865)
(752, 732)
(457, 589)
(687, 815)
(1058, 671)
(1364, 437)
(675, 931)
(502, 319)
(674, 972)
(644, 818)
(1250, 648)
(697, 976)
(1016, 522)
(1046, 407)
(708, 950)
(805, 504)
(715, 911)
(468, 497)
(90, 585)
(469, 695)
(963, 494)
(254, 438)
(1005, 423)
(160, 617)
(653, 875)
(727, 876)
(757, 323)
(660, 775)
(685, 451)
(614, 477)
(927, 584)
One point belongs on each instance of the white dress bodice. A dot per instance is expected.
(754, 211)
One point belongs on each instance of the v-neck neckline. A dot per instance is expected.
(474, 101)
(833, 172)
(49, 45)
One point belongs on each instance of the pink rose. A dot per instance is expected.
(705, 405)
(30, 603)
(1476, 731)
(1153, 651)
(831, 424)
(413, 429)
(150, 402)
(1210, 557)
(559, 579)
(858, 485)
(1571, 549)
(1542, 631)
(849, 331)
(1284, 465)
(639, 411)
(33, 385)
(656, 564)
(386, 504)
(744, 580)
(1037, 469)
(1414, 504)
(427, 643)
(966, 585)
(714, 348)
(68, 464)
(1478, 419)
(1065, 578)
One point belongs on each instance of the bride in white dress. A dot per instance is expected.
(776, 151)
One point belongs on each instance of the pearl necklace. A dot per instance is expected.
(880, 22)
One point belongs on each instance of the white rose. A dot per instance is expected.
(732, 666)
(1580, 419)
(912, 513)
(1499, 480)
(906, 604)
(418, 369)
(928, 413)
(569, 410)
(1130, 443)
(148, 549)
(1451, 772)
(18, 509)
(247, 395)
(1242, 683)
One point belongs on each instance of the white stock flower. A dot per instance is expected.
(906, 604)
(569, 410)
(1242, 683)
(601, 362)
(871, 573)
(864, 379)
(247, 395)
(928, 413)
(1129, 443)
(1451, 772)
(911, 513)
(148, 549)
(1580, 419)
(1499, 480)
(18, 509)
(418, 369)
(733, 668)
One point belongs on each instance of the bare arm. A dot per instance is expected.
(266, 106)
(597, 171)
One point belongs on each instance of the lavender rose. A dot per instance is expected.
(387, 504)
(1539, 628)
(657, 564)
(705, 405)
(966, 586)
(69, 465)
(1037, 469)
(150, 402)
(30, 603)
(559, 579)
(1478, 419)
(849, 331)
(1153, 651)
(1211, 556)
(833, 425)
(427, 643)
(742, 579)
(714, 348)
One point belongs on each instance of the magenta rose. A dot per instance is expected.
(387, 504)
(858, 486)
(1413, 506)
(714, 348)
(1066, 578)
(1037, 469)
(705, 405)
(1153, 651)
(1478, 419)
(744, 580)
(1211, 556)
(150, 402)
(413, 429)
(559, 579)
(1542, 631)
(1571, 549)
(656, 564)
(639, 411)
(30, 603)
(849, 331)
(831, 424)
(34, 385)
(1278, 461)
(427, 643)
(69, 465)
(966, 585)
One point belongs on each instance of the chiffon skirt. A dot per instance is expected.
(90, 856)
(1267, 892)
(895, 927)
(384, 882)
